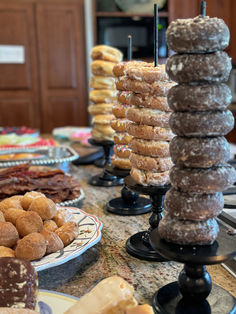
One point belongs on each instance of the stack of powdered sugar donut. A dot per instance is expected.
(148, 122)
(104, 91)
(200, 120)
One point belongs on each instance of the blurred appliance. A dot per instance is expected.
(114, 31)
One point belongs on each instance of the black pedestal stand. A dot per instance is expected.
(129, 204)
(194, 293)
(138, 244)
(105, 179)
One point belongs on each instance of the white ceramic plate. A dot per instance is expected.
(89, 234)
(52, 302)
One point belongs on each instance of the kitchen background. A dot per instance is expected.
(45, 45)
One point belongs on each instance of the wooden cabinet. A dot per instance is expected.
(49, 89)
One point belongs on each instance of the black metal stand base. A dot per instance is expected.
(169, 300)
(105, 180)
(118, 206)
(141, 249)
(100, 163)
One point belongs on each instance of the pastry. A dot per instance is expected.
(101, 132)
(188, 68)
(148, 116)
(188, 232)
(107, 53)
(102, 119)
(154, 164)
(102, 68)
(122, 151)
(62, 216)
(122, 138)
(202, 123)
(121, 163)
(6, 252)
(147, 74)
(150, 101)
(199, 152)
(12, 214)
(68, 232)
(28, 223)
(9, 202)
(31, 247)
(197, 35)
(193, 206)
(121, 68)
(103, 96)
(18, 285)
(29, 197)
(45, 207)
(200, 180)
(202, 97)
(119, 110)
(8, 234)
(100, 109)
(119, 125)
(150, 148)
(156, 88)
(123, 97)
(140, 309)
(50, 225)
(147, 132)
(2, 218)
(145, 178)
(102, 82)
(54, 243)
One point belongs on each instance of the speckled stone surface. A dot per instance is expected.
(109, 257)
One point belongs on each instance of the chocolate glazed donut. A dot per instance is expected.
(190, 68)
(204, 123)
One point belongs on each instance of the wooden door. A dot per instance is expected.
(61, 44)
(19, 103)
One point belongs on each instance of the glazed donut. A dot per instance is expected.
(191, 206)
(150, 163)
(148, 116)
(122, 138)
(102, 82)
(197, 35)
(124, 97)
(121, 163)
(122, 151)
(107, 53)
(119, 125)
(43, 206)
(102, 132)
(102, 68)
(202, 97)
(121, 68)
(149, 101)
(8, 234)
(187, 232)
(147, 74)
(203, 123)
(31, 247)
(119, 110)
(149, 178)
(102, 118)
(199, 152)
(213, 68)
(156, 88)
(28, 223)
(100, 109)
(200, 180)
(148, 132)
(150, 148)
(103, 96)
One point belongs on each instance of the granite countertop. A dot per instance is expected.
(109, 256)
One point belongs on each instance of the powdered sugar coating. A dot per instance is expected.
(202, 97)
(192, 206)
(204, 123)
(197, 35)
(200, 180)
(199, 152)
(189, 68)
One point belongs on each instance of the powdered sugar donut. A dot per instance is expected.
(192, 206)
(149, 101)
(197, 35)
(121, 68)
(204, 123)
(213, 67)
(201, 97)
(148, 132)
(149, 177)
(154, 164)
(200, 180)
(150, 148)
(147, 74)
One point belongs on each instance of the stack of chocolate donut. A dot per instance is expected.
(200, 120)
(148, 121)
(104, 91)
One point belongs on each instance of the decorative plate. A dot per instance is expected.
(64, 133)
(52, 302)
(89, 234)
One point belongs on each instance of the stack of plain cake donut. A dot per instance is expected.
(200, 120)
(104, 91)
(148, 122)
